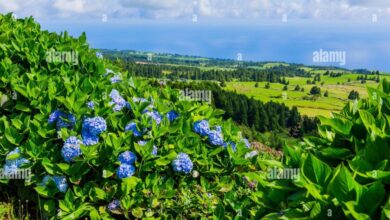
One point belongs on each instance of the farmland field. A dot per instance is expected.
(338, 93)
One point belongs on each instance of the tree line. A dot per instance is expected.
(255, 114)
(244, 74)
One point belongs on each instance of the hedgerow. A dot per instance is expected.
(103, 145)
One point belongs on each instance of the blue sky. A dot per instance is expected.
(262, 30)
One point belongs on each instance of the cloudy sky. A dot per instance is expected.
(262, 30)
(179, 9)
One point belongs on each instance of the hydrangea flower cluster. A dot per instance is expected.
(172, 115)
(140, 100)
(216, 136)
(246, 142)
(126, 169)
(115, 79)
(154, 115)
(132, 126)
(114, 205)
(118, 101)
(142, 143)
(251, 154)
(62, 119)
(108, 71)
(155, 150)
(99, 55)
(232, 145)
(71, 149)
(92, 128)
(182, 163)
(202, 127)
(60, 182)
(12, 165)
(127, 157)
(91, 105)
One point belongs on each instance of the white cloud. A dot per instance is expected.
(223, 9)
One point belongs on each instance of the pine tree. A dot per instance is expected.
(326, 93)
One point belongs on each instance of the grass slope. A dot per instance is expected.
(338, 94)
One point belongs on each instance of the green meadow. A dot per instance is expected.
(338, 90)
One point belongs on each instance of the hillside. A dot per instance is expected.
(241, 77)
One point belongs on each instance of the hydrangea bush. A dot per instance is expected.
(103, 146)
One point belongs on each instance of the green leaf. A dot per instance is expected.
(372, 198)
(339, 125)
(128, 184)
(137, 212)
(49, 206)
(343, 186)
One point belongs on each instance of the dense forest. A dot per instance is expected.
(273, 74)
(258, 116)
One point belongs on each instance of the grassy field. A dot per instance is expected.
(338, 89)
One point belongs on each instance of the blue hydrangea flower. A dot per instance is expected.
(216, 137)
(132, 126)
(89, 139)
(91, 104)
(54, 116)
(95, 126)
(60, 182)
(99, 55)
(142, 143)
(108, 71)
(114, 205)
(251, 154)
(116, 79)
(182, 163)
(154, 115)
(12, 165)
(125, 170)
(141, 100)
(127, 157)
(118, 101)
(246, 142)
(172, 115)
(71, 149)
(232, 145)
(62, 119)
(155, 150)
(218, 129)
(202, 127)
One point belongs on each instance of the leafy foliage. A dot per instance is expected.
(73, 130)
